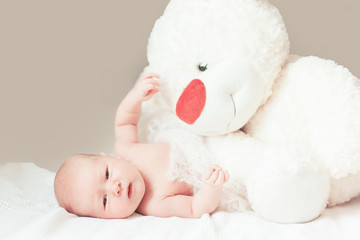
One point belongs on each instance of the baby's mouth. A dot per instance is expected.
(130, 190)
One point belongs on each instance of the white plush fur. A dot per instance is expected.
(286, 127)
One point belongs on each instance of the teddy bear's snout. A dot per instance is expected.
(191, 102)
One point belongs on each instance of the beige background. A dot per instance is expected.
(66, 64)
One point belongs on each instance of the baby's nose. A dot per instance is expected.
(117, 188)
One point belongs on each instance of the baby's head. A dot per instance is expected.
(99, 186)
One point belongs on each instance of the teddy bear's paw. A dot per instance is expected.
(290, 198)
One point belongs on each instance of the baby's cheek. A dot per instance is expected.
(123, 209)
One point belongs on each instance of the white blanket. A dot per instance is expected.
(28, 210)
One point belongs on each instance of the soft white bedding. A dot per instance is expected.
(28, 210)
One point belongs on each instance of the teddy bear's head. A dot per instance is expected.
(217, 59)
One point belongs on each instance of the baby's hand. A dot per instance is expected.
(147, 86)
(215, 175)
(208, 198)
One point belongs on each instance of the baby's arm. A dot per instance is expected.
(129, 110)
(206, 200)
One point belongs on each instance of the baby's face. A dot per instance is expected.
(106, 187)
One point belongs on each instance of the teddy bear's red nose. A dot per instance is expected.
(191, 102)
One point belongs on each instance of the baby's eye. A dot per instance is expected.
(105, 200)
(202, 67)
(107, 173)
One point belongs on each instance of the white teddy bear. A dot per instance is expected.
(286, 127)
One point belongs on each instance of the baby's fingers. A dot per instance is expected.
(155, 83)
(226, 176)
(207, 174)
(149, 93)
(214, 176)
(151, 84)
(150, 76)
(221, 178)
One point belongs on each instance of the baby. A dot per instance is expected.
(135, 179)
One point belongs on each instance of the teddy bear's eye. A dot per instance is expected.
(202, 67)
